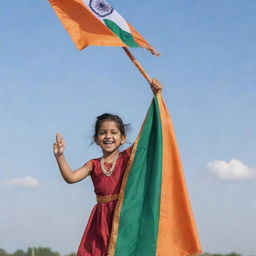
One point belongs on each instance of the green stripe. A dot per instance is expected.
(139, 217)
(123, 35)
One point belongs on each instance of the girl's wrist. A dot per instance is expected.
(59, 156)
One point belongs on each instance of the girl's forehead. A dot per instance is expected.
(108, 125)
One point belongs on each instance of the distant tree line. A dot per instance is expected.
(44, 251)
(218, 254)
(39, 251)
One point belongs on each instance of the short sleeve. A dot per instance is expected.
(89, 165)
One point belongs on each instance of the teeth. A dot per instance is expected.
(108, 142)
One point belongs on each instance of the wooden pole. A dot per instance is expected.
(137, 64)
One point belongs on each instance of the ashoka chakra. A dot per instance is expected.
(101, 7)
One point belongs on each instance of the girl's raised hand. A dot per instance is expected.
(156, 86)
(59, 145)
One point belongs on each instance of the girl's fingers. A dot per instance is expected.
(156, 85)
(58, 148)
(59, 137)
(154, 81)
(59, 145)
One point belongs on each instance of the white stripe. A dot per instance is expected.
(119, 20)
(114, 16)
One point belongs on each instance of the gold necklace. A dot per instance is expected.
(110, 171)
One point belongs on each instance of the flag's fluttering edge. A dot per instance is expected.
(153, 215)
(96, 22)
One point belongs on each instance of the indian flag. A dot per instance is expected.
(96, 22)
(153, 215)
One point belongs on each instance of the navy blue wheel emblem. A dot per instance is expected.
(101, 7)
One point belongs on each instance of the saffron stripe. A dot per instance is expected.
(177, 231)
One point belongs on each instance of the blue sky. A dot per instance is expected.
(207, 67)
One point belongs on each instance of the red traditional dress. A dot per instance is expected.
(97, 233)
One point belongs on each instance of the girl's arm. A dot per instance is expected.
(66, 172)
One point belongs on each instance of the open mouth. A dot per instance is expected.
(108, 142)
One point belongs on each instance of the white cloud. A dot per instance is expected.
(232, 170)
(28, 182)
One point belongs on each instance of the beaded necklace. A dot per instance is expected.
(110, 171)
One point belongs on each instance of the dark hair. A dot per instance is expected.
(110, 117)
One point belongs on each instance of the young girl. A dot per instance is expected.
(106, 173)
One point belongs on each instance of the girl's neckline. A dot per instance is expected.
(112, 168)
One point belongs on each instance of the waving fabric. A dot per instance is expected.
(96, 22)
(153, 215)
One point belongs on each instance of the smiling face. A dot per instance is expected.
(109, 137)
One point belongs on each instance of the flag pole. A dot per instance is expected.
(137, 64)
